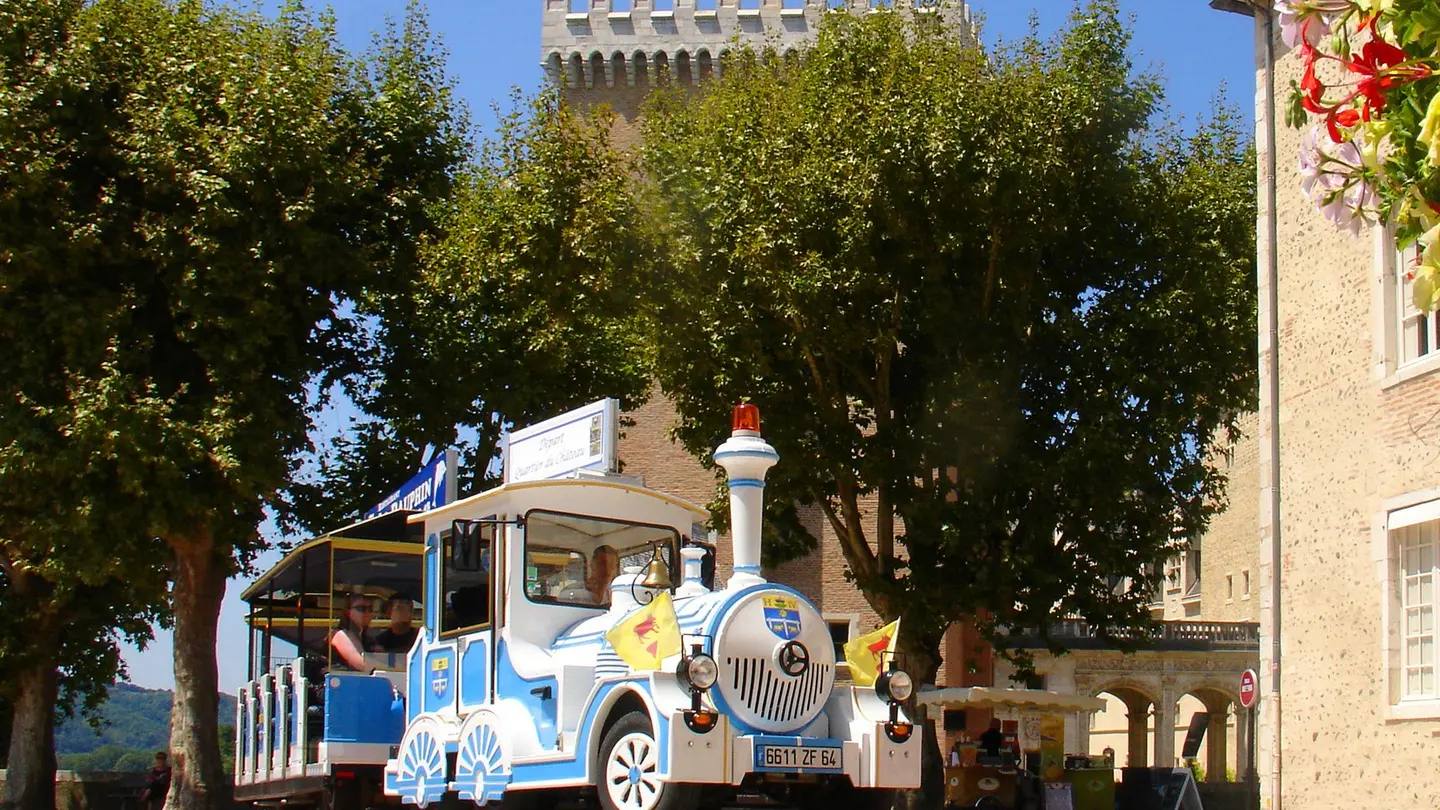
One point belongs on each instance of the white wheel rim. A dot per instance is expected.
(631, 776)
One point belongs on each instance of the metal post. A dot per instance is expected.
(300, 613)
(250, 645)
(268, 640)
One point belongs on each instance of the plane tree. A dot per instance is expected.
(993, 310)
(522, 306)
(191, 199)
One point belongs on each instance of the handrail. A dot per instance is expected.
(1242, 636)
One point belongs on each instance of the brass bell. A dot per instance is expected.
(657, 574)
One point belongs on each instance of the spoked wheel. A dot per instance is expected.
(629, 769)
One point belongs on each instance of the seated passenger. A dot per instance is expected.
(349, 641)
(399, 637)
(471, 605)
(604, 567)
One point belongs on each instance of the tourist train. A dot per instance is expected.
(521, 685)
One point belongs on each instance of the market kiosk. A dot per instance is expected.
(1033, 772)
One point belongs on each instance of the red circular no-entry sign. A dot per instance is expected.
(1249, 689)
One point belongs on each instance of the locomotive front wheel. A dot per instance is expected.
(629, 770)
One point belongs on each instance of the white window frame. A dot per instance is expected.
(1392, 311)
(1388, 533)
(853, 620)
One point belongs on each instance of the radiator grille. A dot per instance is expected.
(772, 695)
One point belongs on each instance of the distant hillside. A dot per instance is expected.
(138, 720)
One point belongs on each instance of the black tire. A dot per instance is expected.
(625, 744)
(841, 795)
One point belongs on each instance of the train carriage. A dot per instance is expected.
(518, 687)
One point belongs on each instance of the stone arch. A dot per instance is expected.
(704, 65)
(577, 70)
(1137, 704)
(641, 66)
(683, 72)
(598, 72)
(1221, 752)
(555, 68)
(662, 67)
(619, 71)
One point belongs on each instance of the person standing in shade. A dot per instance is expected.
(399, 637)
(992, 740)
(157, 783)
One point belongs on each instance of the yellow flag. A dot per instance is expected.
(647, 636)
(866, 654)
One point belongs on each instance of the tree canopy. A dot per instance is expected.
(993, 312)
(194, 198)
(522, 306)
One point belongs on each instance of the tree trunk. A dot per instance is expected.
(198, 782)
(923, 665)
(30, 770)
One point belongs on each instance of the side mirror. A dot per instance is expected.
(464, 548)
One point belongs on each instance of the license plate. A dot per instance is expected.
(797, 758)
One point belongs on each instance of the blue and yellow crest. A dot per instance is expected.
(782, 615)
(440, 675)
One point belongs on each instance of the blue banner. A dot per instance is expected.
(431, 488)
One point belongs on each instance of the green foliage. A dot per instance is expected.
(192, 200)
(522, 307)
(986, 293)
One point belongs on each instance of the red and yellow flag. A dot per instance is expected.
(868, 653)
(648, 636)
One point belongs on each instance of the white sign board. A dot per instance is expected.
(583, 439)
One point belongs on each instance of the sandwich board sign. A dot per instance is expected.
(432, 487)
(586, 438)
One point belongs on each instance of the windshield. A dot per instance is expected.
(572, 559)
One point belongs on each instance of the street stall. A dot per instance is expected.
(1032, 771)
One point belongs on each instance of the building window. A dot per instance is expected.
(1245, 584)
(1192, 573)
(1229, 587)
(1418, 332)
(955, 720)
(839, 635)
(1417, 557)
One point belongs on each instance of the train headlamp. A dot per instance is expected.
(698, 671)
(895, 686)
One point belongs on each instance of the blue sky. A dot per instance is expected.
(494, 46)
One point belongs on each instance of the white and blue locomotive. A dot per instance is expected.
(512, 692)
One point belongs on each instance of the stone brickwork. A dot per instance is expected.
(1231, 547)
(1359, 437)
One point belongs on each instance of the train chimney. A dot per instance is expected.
(746, 458)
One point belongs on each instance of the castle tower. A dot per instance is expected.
(613, 51)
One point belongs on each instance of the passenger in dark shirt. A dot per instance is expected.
(157, 783)
(399, 637)
(992, 740)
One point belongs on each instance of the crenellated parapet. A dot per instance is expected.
(619, 43)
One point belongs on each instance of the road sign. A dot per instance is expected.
(1249, 689)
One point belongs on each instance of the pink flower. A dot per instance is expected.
(1334, 177)
(1312, 18)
